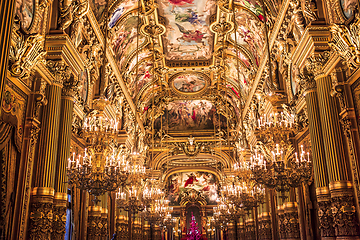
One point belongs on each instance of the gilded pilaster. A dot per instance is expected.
(64, 140)
(94, 230)
(250, 229)
(6, 20)
(341, 190)
(265, 226)
(41, 203)
(321, 178)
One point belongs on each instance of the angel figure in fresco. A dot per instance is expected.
(174, 190)
(175, 3)
(191, 17)
(190, 181)
(191, 35)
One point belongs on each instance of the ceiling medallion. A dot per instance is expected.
(189, 83)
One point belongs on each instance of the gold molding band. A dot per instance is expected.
(338, 185)
(322, 191)
(43, 191)
(60, 196)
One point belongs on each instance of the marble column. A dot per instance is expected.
(321, 179)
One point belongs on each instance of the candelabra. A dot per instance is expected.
(100, 168)
(130, 201)
(282, 169)
(88, 172)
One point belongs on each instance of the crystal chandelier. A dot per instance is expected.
(88, 172)
(281, 169)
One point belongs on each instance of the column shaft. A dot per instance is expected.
(342, 197)
(317, 148)
(48, 145)
(332, 137)
(42, 195)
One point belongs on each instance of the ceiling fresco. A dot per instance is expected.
(187, 34)
(240, 78)
(98, 7)
(249, 34)
(121, 10)
(189, 83)
(124, 39)
(180, 184)
(140, 78)
(24, 9)
(188, 115)
(253, 6)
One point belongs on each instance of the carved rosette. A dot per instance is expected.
(343, 211)
(325, 219)
(41, 219)
(59, 222)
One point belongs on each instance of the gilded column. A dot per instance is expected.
(42, 194)
(321, 179)
(64, 140)
(341, 189)
(6, 22)
(94, 229)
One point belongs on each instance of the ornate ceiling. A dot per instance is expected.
(188, 65)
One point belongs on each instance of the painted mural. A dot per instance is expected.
(24, 9)
(124, 39)
(123, 8)
(249, 34)
(180, 183)
(348, 7)
(189, 115)
(144, 76)
(98, 7)
(245, 60)
(189, 83)
(253, 6)
(241, 76)
(187, 28)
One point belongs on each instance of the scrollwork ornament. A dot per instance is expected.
(152, 29)
(60, 70)
(306, 81)
(59, 222)
(316, 63)
(41, 219)
(343, 211)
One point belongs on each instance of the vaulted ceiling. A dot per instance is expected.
(189, 65)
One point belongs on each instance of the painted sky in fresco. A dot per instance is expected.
(187, 28)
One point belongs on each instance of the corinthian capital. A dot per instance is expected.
(316, 63)
(60, 70)
(306, 81)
